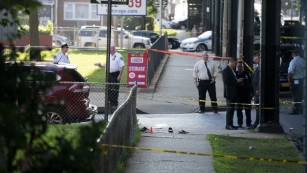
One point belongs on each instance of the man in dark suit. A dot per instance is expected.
(230, 91)
(256, 88)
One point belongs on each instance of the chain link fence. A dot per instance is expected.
(120, 130)
(75, 102)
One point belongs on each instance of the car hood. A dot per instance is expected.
(190, 40)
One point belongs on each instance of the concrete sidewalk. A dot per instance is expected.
(173, 105)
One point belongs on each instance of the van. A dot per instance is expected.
(129, 40)
(87, 36)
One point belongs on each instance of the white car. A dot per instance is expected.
(129, 40)
(201, 43)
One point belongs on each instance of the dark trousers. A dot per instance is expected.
(231, 107)
(256, 101)
(113, 90)
(297, 94)
(203, 87)
(244, 103)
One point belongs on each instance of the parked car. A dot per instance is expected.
(58, 40)
(129, 40)
(173, 43)
(179, 24)
(87, 36)
(201, 43)
(148, 34)
(285, 58)
(68, 99)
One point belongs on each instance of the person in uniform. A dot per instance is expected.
(116, 70)
(62, 56)
(204, 74)
(245, 95)
(296, 75)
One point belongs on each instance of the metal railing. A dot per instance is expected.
(120, 130)
(156, 57)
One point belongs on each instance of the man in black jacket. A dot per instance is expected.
(245, 95)
(230, 91)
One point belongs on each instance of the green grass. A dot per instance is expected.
(275, 148)
(85, 60)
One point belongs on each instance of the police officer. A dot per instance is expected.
(116, 70)
(62, 56)
(296, 75)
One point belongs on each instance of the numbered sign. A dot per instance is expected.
(134, 8)
(137, 69)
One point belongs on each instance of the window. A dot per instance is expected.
(80, 11)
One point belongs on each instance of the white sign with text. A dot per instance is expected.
(134, 8)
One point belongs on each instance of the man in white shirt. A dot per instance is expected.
(117, 65)
(204, 75)
(62, 56)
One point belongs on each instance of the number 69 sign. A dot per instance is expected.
(134, 8)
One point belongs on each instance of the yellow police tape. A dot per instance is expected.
(301, 162)
(209, 101)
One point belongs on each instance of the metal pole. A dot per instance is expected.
(305, 93)
(108, 59)
(160, 21)
(239, 24)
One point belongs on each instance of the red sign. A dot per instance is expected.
(137, 69)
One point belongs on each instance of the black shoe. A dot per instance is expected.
(170, 130)
(200, 112)
(231, 127)
(239, 126)
(215, 111)
(254, 126)
(249, 126)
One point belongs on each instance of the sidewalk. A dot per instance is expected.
(173, 105)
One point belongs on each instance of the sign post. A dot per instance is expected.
(125, 2)
(137, 69)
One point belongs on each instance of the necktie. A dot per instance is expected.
(208, 72)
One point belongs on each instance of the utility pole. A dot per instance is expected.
(225, 29)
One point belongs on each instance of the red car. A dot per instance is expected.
(68, 99)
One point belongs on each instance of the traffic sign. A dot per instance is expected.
(112, 2)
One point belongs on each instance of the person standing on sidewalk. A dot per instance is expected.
(245, 95)
(204, 75)
(116, 70)
(256, 87)
(296, 75)
(230, 91)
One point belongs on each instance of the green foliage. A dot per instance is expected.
(275, 148)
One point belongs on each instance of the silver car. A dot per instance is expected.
(201, 43)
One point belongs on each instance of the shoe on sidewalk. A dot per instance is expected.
(170, 130)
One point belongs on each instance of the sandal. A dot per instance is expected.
(144, 129)
(170, 130)
(183, 132)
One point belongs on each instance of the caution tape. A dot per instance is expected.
(256, 105)
(300, 162)
(287, 37)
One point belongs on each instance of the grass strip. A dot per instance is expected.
(274, 148)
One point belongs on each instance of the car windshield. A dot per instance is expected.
(87, 33)
(205, 35)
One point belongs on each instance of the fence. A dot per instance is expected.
(156, 57)
(120, 131)
(74, 102)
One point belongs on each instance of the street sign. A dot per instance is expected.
(134, 8)
(157, 3)
(137, 69)
(112, 2)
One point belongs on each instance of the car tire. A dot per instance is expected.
(55, 115)
(201, 48)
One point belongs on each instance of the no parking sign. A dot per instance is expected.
(137, 69)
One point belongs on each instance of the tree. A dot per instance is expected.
(35, 53)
